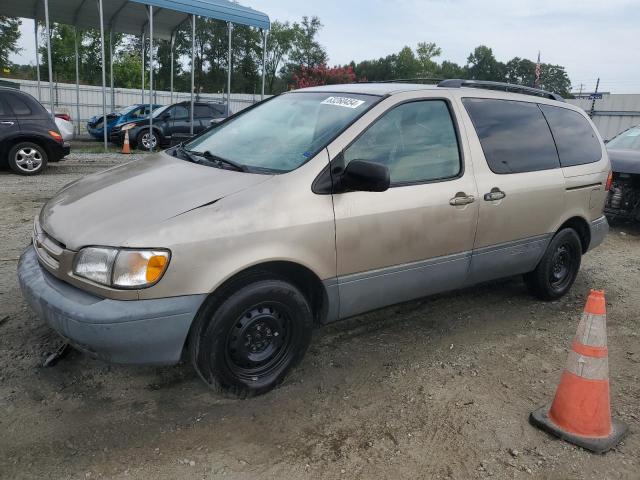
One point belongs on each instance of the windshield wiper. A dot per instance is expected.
(186, 154)
(215, 158)
(209, 159)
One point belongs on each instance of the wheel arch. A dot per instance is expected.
(581, 227)
(297, 274)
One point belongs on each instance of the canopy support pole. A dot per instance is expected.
(46, 19)
(35, 32)
(264, 59)
(193, 69)
(104, 77)
(75, 44)
(229, 70)
(151, 77)
(143, 70)
(113, 95)
(173, 44)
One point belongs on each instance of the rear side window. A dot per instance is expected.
(201, 111)
(514, 135)
(18, 105)
(576, 141)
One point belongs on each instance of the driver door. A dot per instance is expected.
(414, 239)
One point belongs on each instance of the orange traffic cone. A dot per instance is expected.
(125, 146)
(580, 412)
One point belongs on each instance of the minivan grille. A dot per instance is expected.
(49, 250)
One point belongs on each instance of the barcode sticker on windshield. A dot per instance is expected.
(343, 102)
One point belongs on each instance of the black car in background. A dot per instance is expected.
(29, 137)
(171, 124)
(624, 194)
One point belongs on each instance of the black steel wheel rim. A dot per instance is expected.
(562, 266)
(259, 342)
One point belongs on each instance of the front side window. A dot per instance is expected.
(416, 141)
(576, 141)
(284, 132)
(627, 140)
(514, 135)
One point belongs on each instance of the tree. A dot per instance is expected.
(9, 35)
(307, 51)
(451, 70)
(482, 65)
(552, 77)
(406, 64)
(279, 45)
(426, 52)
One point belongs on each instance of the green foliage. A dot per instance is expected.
(293, 53)
(481, 65)
(9, 35)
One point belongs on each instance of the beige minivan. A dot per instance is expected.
(312, 206)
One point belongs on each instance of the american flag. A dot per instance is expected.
(538, 72)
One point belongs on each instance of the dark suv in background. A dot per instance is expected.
(29, 138)
(171, 124)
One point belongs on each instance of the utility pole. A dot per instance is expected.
(593, 100)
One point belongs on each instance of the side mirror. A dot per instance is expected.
(364, 176)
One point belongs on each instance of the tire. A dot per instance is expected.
(27, 158)
(143, 140)
(558, 268)
(247, 337)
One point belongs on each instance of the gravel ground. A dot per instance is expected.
(439, 388)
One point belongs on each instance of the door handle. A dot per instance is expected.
(494, 194)
(6, 123)
(461, 198)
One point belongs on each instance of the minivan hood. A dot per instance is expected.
(109, 207)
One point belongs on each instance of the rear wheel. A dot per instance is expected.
(558, 268)
(247, 339)
(27, 158)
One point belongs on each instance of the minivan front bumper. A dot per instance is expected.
(118, 331)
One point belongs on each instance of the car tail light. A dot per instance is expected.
(64, 116)
(607, 186)
(55, 135)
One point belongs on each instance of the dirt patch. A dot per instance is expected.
(439, 388)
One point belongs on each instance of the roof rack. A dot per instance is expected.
(410, 80)
(507, 87)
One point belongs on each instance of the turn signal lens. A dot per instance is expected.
(155, 267)
(55, 135)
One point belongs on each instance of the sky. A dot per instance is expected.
(590, 38)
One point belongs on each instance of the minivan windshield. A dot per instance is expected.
(284, 132)
(629, 140)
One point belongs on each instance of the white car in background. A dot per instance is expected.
(64, 124)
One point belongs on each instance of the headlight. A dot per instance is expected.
(121, 268)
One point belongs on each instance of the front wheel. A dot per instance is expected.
(245, 341)
(558, 268)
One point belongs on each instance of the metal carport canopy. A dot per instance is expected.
(131, 16)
